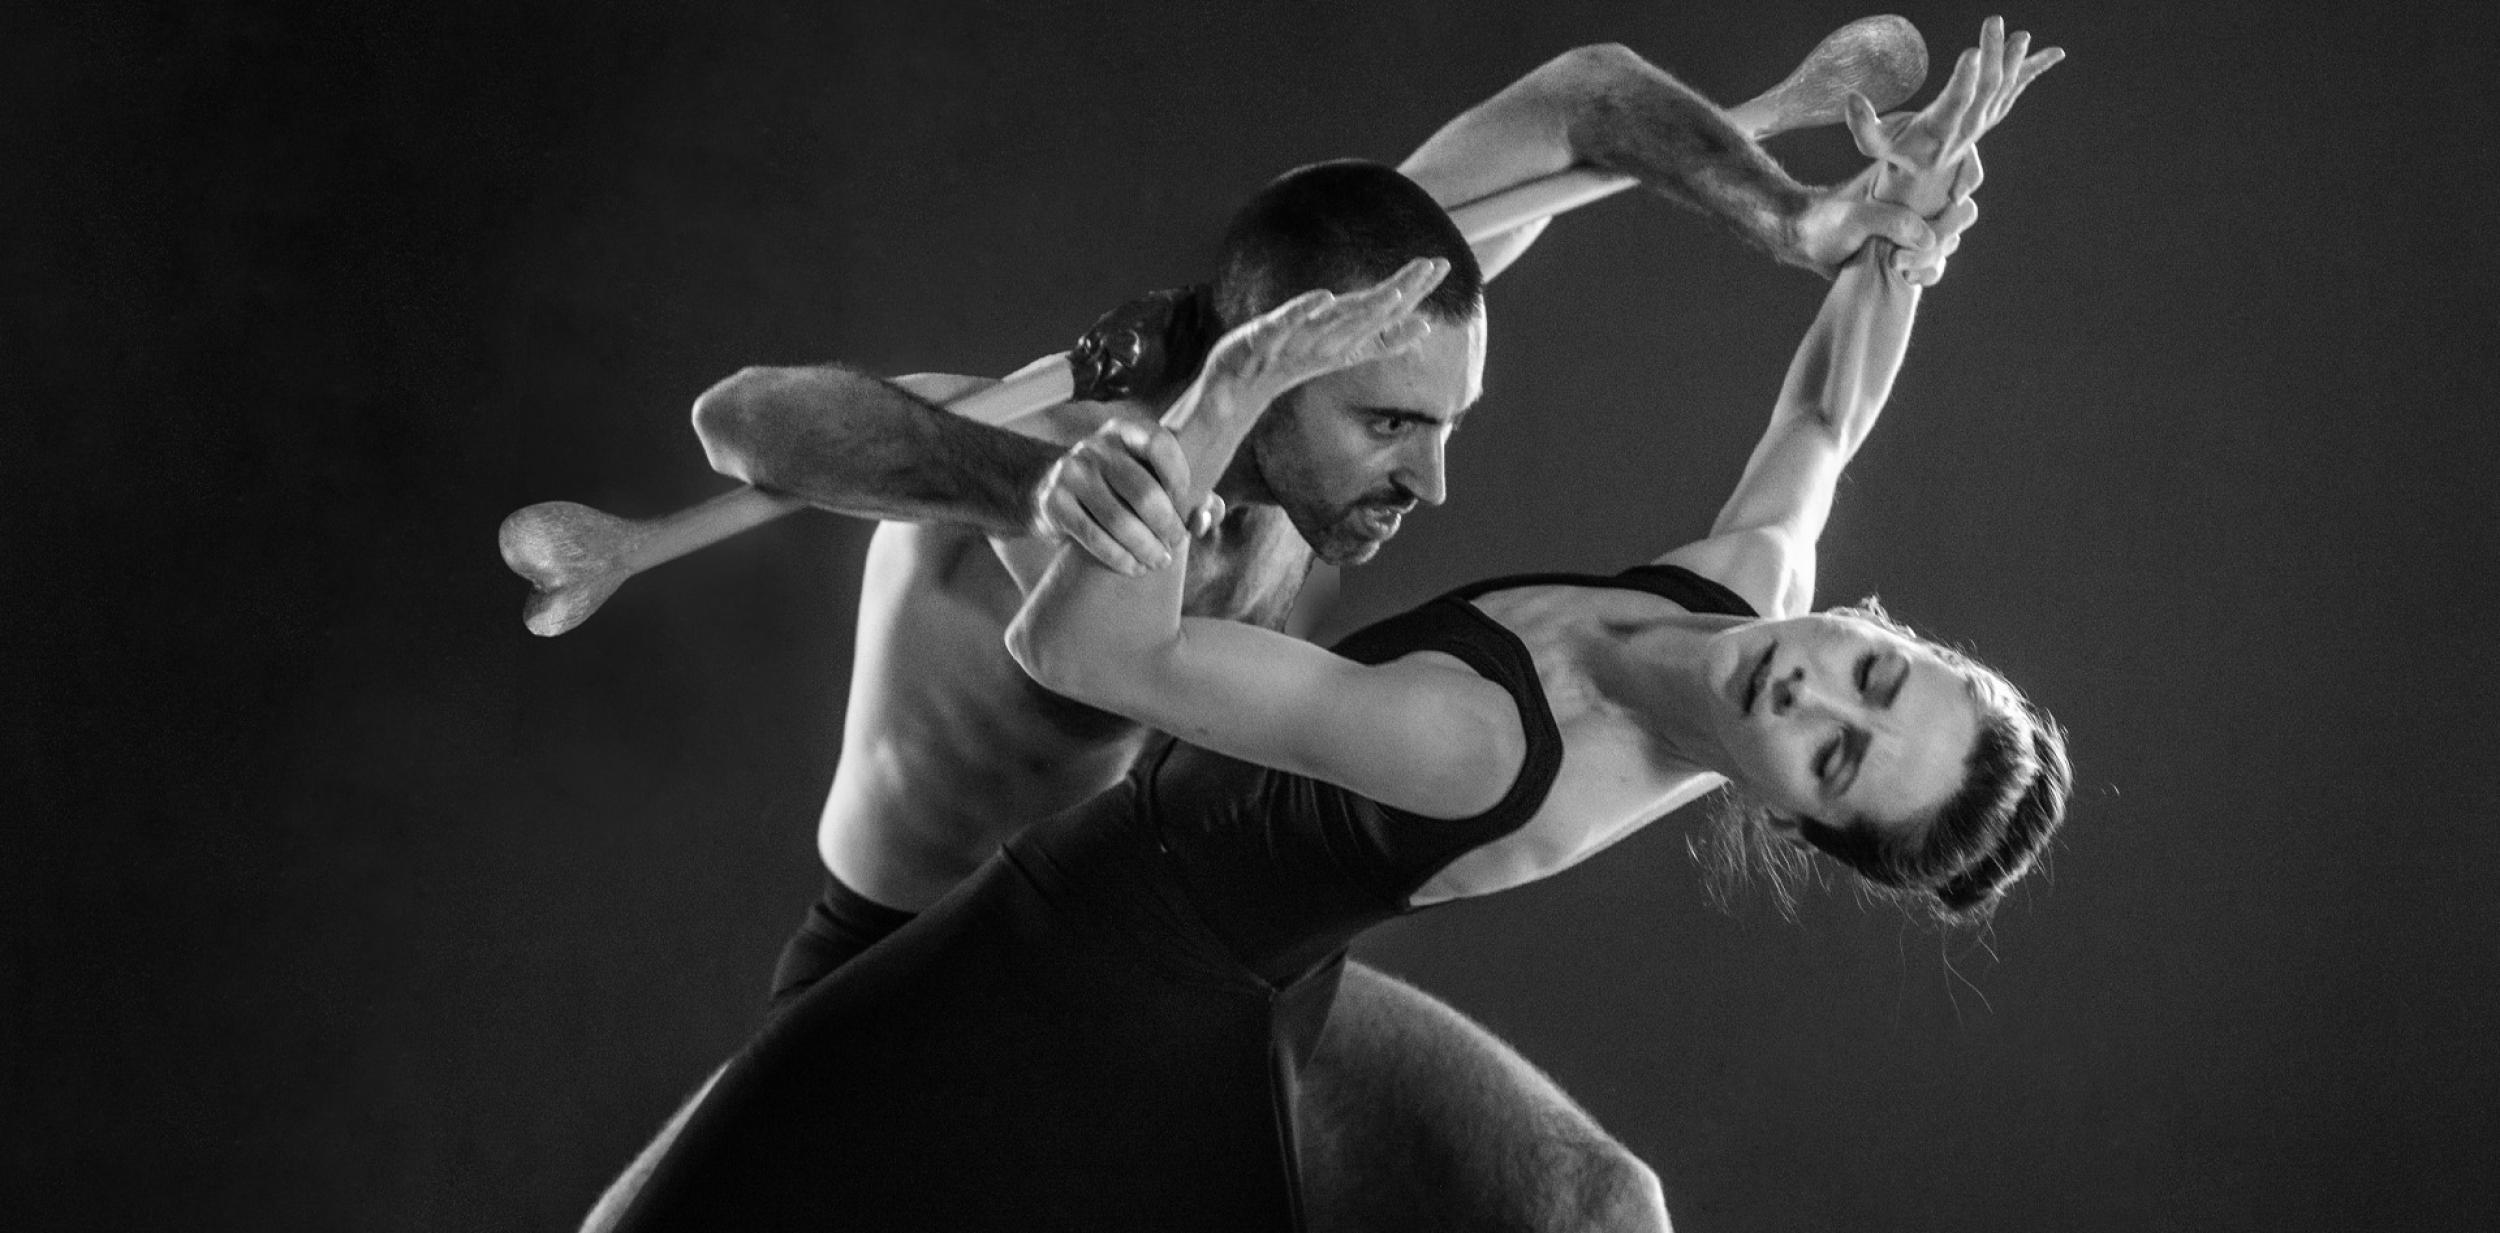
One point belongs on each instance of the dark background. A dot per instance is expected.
(334, 900)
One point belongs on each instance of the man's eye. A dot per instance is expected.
(1387, 426)
(1866, 673)
(1823, 762)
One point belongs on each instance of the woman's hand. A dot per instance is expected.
(1306, 337)
(1116, 494)
(1928, 159)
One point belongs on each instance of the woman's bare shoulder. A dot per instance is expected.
(1765, 565)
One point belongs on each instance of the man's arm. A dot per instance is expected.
(856, 444)
(852, 443)
(1604, 106)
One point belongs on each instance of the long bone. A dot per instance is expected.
(575, 557)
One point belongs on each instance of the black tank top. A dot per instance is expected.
(1286, 869)
(1103, 1027)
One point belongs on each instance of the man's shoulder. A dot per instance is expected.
(908, 560)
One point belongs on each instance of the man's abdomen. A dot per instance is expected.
(948, 748)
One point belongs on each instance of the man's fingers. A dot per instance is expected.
(1956, 219)
(1068, 517)
(1207, 517)
(1160, 451)
(1891, 222)
(1140, 513)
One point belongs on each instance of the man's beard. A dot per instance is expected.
(1346, 534)
(1352, 534)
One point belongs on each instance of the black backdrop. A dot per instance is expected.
(336, 901)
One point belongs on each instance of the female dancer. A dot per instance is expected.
(1101, 1028)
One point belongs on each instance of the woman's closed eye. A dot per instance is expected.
(1880, 677)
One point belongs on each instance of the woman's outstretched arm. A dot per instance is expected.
(1843, 373)
(1430, 738)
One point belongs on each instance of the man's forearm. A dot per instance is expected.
(1606, 107)
(1630, 117)
(846, 441)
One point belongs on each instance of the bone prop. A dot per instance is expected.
(574, 557)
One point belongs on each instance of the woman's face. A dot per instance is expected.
(1835, 718)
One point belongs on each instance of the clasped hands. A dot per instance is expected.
(1117, 493)
(1925, 162)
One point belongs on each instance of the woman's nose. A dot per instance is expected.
(1796, 693)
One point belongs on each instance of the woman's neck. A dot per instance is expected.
(1655, 664)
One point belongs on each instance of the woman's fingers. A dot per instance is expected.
(1319, 332)
(1954, 103)
(1404, 289)
(1396, 337)
(1991, 77)
(2032, 67)
(1379, 320)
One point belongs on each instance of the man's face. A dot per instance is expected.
(1347, 455)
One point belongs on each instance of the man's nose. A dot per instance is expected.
(1421, 471)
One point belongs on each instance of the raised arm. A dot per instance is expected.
(1763, 544)
(855, 444)
(876, 448)
(1425, 737)
(1605, 107)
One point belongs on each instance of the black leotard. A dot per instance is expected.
(1100, 1029)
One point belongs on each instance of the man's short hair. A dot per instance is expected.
(1340, 226)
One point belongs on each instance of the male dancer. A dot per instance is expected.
(1417, 1116)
